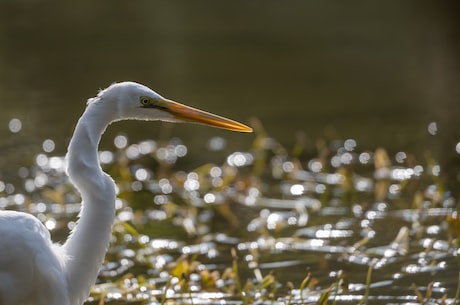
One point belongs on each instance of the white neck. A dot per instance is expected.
(87, 244)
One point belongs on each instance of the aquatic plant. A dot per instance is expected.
(323, 222)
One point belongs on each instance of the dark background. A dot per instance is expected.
(375, 71)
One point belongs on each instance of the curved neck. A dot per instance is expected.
(87, 244)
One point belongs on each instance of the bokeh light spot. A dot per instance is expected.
(433, 128)
(48, 145)
(120, 141)
(15, 125)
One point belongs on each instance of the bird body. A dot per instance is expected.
(31, 266)
(33, 270)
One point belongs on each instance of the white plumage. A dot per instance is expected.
(33, 270)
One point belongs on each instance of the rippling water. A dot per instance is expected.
(279, 218)
(312, 194)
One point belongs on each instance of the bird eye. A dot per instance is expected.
(145, 101)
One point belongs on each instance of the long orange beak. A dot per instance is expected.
(190, 114)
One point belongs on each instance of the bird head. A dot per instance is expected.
(138, 102)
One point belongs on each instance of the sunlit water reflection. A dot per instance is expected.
(256, 226)
(326, 206)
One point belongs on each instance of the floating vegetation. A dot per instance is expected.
(333, 225)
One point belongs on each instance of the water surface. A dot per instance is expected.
(383, 75)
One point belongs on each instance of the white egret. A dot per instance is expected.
(33, 270)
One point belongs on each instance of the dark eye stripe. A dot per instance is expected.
(147, 102)
(159, 107)
(154, 106)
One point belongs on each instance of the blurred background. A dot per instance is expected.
(385, 73)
